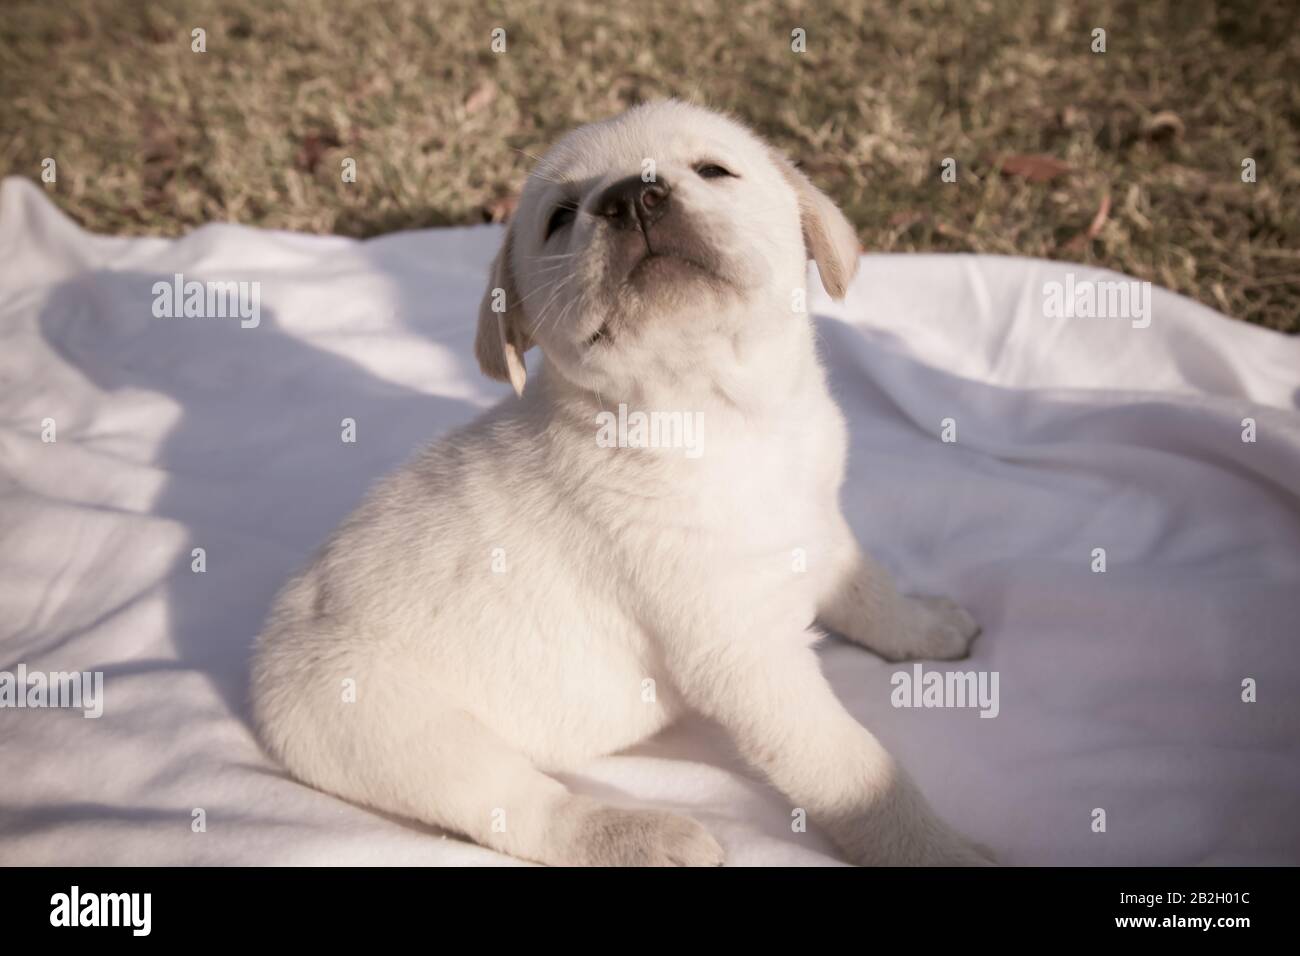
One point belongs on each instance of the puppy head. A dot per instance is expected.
(650, 244)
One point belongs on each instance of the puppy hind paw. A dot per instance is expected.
(617, 837)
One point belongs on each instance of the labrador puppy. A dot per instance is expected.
(524, 596)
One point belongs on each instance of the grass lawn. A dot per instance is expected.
(1130, 159)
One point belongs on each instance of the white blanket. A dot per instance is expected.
(1120, 691)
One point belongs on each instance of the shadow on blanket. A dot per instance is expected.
(247, 425)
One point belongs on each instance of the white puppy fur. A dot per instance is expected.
(499, 603)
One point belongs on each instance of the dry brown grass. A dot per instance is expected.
(153, 138)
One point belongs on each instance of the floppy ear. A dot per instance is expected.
(828, 237)
(501, 340)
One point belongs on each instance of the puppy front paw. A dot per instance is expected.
(939, 629)
(962, 852)
(936, 845)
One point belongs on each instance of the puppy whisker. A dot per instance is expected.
(544, 287)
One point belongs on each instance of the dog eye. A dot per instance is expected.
(714, 171)
(564, 214)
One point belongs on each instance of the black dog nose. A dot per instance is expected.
(633, 203)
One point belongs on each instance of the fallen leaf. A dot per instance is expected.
(1082, 239)
(481, 98)
(1164, 125)
(161, 152)
(501, 208)
(906, 218)
(313, 147)
(1035, 167)
(1070, 118)
(1099, 220)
